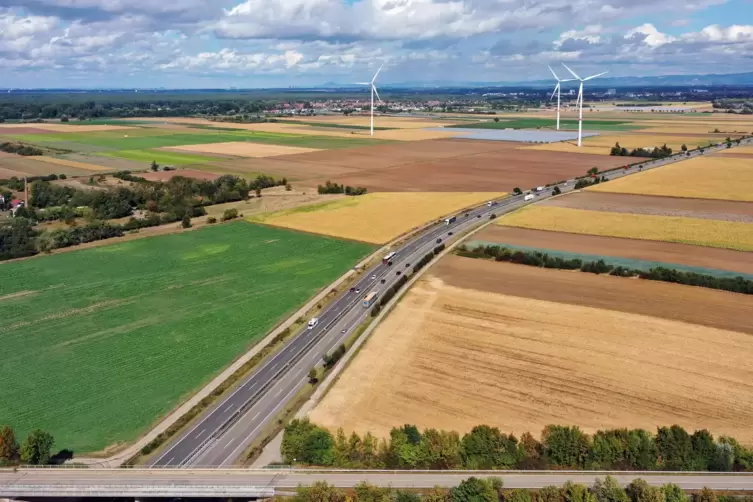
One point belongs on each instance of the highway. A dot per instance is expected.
(221, 434)
(263, 483)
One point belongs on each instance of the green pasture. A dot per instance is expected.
(534, 122)
(161, 157)
(99, 343)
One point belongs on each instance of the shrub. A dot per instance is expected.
(229, 214)
(211, 220)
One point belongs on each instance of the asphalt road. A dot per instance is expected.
(221, 434)
(243, 482)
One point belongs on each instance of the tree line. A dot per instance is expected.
(36, 448)
(330, 187)
(484, 448)
(737, 284)
(476, 489)
(20, 149)
(658, 152)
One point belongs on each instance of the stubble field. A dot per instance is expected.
(244, 149)
(100, 342)
(712, 177)
(376, 217)
(695, 231)
(473, 344)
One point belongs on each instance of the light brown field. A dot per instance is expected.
(375, 217)
(187, 173)
(601, 145)
(379, 121)
(713, 209)
(73, 163)
(243, 149)
(694, 231)
(34, 166)
(745, 151)
(666, 252)
(708, 177)
(66, 127)
(453, 357)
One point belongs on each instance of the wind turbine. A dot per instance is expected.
(373, 91)
(557, 90)
(580, 99)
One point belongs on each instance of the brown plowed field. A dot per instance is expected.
(9, 173)
(651, 204)
(9, 131)
(453, 357)
(667, 252)
(29, 166)
(431, 166)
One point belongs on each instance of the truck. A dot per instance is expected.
(540, 189)
(369, 300)
(451, 220)
(387, 259)
(528, 197)
(491, 203)
(313, 322)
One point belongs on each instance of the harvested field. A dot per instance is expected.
(187, 173)
(73, 163)
(113, 163)
(8, 131)
(743, 151)
(63, 127)
(34, 166)
(712, 177)
(600, 145)
(694, 231)
(244, 149)
(9, 173)
(649, 204)
(364, 121)
(430, 166)
(162, 157)
(375, 217)
(105, 353)
(667, 252)
(471, 351)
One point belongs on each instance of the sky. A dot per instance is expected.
(281, 43)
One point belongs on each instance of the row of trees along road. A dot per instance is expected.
(36, 449)
(560, 447)
(476, 489)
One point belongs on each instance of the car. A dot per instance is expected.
(384, 280)
(439, 240)
(352, 290)
(358, 290)
(389, 263)
(373, 277)
(466, 215)
(313, 322)
(398, 272)
(407, 265)
(449, 233)
(343, 330)
(478, 216)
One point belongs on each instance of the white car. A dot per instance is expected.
(313, 322)
(373, 277)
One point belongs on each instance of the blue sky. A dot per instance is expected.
(258, 43)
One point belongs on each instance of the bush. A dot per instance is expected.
(186, 221)
(229, 214)
(211, 220)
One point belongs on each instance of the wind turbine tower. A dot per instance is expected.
(579, 101)
(373, 91)
(557, 90)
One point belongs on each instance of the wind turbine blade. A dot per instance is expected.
(571, 71)
(597, 75)
(554, 91)
(375, 75)
(555, 75)
(363, 83)
(377, 94)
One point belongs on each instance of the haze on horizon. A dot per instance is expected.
(270, 43)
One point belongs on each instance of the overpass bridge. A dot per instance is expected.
(263, 483)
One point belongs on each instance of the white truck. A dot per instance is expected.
(369, 300)
(528, 197)
(313, 322)
(540, 189)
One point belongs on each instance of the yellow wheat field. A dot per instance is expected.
(695, 231)
(73, 163)
(712, 177)
(376, 217)
(602, 144)
(66, 127)
(243, 149)
(740, 150)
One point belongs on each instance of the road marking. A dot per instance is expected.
(278, 392)
(201, 432)
(257, 414)
(169, 462)
(274, 366)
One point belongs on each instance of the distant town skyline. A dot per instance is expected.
(280, 43)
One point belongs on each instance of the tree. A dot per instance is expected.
(474, 490)
(556, 190)
(36, 448)
(366, 492)
(576, 493)
(496, 119)
(518, 496)
(550, 494)
(186, 221)
(517, 191)
(673, 493)
(313, 376)
(640, 491)
(609, 490)
(258, 192)
(705, 495)
(565, 446)
(674, 448)
(684, 147)
(487, 448)
(320, 491)
(155, 166)
(8, 445)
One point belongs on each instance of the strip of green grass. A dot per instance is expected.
(337, 126)
(99, 343)
(533, 122)
(161, 157)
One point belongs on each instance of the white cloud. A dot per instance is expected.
(590, 34)
(652, 36)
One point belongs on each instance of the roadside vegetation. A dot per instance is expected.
(36, 449)
(330, 187)
(492, 489)
(538, 259)
(484, 447)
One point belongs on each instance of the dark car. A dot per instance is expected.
(398, 273)
(466, 215)
(384, 280)
(407, 265)
(389, 263)
(439, 240)
(478, 216)
(352, 290)
(449, 233)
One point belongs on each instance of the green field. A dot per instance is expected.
(161, 157)
(534, 122)
(99, 343)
